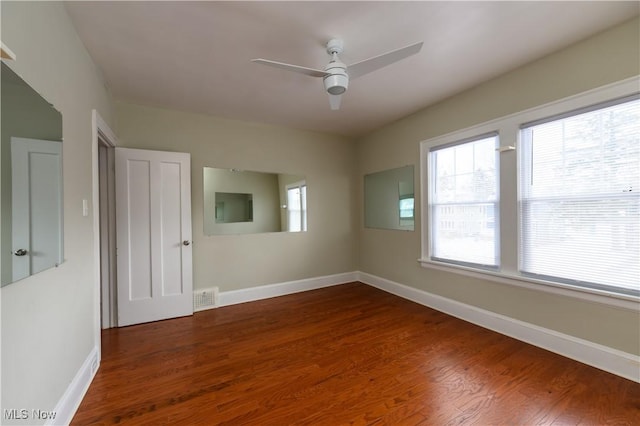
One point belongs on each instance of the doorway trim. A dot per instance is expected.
(101, 133)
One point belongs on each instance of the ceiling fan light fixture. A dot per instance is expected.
(336, 84)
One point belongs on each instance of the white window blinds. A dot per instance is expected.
(579, 197)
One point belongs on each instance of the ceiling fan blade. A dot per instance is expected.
(377, 62)
(295, 68)
(334, 101)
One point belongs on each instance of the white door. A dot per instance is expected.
(36, 205)
(153, 226)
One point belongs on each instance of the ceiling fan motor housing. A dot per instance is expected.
(337, 82)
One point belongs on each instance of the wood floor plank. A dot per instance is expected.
(348, 354)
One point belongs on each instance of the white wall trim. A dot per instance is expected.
(280, 289)
(67, 406)
(605, 358)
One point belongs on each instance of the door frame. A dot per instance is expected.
(101, 135)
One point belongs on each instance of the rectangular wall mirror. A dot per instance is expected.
(389, 201)
(247, 202)
(31, 180)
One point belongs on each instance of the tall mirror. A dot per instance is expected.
(31, 180)
(248, 202)
(389, 199)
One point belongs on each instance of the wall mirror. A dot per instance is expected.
(389, 199)
(248, 202)
(31, 180)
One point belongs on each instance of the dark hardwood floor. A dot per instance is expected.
(349, 354)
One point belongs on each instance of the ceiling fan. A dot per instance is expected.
(336, 74)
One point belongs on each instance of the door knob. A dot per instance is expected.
(20, 252)
(186, 242)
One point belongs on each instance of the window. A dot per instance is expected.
(297, 207)
(579, 205)
(406, 207)
(463, 201)
(547, 198)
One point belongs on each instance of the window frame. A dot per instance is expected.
(429, 205)
(508, 128)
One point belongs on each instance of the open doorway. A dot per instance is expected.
(106, 181)
(104, 143)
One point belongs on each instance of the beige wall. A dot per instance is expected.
(48, 320)
(239, 261)
(608, 57)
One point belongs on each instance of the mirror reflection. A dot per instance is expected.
(248, 202)
(31, 180)
(389, 201)
(232, 208)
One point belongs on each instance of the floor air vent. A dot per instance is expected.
(206, 298)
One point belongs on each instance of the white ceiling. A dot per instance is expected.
(195, 56)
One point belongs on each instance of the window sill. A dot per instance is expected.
(598, 296)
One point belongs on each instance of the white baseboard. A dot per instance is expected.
(68, 405)
(605, 358)
(280, 289)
